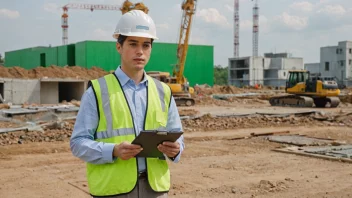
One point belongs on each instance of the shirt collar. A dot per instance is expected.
(123, 78)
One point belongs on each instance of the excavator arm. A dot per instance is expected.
(189, 9)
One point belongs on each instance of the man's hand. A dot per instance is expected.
(171, 149)
(126, 150)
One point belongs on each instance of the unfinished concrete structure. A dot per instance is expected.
(270, 70)
(41, 91)
(335, 61)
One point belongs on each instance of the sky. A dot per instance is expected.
(299, 27)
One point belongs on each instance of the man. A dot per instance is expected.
(115, 108)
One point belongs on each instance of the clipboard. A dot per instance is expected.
(150, 139)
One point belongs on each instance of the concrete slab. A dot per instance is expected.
(303, 151)
(299, 140)
(336, 151)
(17, 111)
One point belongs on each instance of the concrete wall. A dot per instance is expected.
(49, 93)
(256, 70)
(328, 55)
(292, 64)
(275, 83)
(276, 63)
(346, 55)
(19, 91)
(312, 67)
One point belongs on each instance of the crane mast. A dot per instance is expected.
(189, 8)
(84, 6)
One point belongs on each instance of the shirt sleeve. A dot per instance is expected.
(82, 141)
(174, 124)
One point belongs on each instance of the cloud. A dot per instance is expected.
(177, 7)
(292, 22)
(52, 8)
(229, 8)
(302, 6)
(199, 41)
(101, 34)
(11, 14)
(333, 10)
(246, 25)
(212, 15)
(162, 25)
(264, 25)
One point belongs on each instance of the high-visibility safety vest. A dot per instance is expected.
(116, 126)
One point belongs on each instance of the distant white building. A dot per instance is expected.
(270, 70)
(335, 61)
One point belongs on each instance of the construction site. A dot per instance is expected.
(278, 129)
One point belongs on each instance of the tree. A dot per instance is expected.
(1, 59)
(220, 75)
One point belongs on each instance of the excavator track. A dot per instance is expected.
(321, 102)
(180, 101)
(291, 100)
(334, 101)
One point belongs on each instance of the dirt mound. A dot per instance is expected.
(188, 112)
(231, 101)
(52, 72)
(216, 89)
(208, 123)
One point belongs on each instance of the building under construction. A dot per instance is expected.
(270, 70)
(336, 62)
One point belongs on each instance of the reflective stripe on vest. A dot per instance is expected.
(116, 125)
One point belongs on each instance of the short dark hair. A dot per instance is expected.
(121, 39)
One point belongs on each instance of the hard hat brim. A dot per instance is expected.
(137, 34)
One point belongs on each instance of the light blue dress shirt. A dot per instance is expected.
(82, 141)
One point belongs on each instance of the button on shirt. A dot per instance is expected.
(82, 141)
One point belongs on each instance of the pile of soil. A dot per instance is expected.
(52, 72)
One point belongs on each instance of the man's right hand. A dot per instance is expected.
(126, 150)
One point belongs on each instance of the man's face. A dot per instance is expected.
(135, 52)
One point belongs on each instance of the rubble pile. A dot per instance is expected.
(217, 89)
(62, 130)
(209, 123)
(188, 112)
(53, 132)
(231, 101)
(52, 72)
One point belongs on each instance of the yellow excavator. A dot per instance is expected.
(306, 89)
(179, 85)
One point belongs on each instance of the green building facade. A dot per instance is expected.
(103, 54)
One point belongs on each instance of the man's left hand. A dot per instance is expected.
(171, 149)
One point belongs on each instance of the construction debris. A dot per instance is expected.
(269, 133)
(336, 153)
(299, 140)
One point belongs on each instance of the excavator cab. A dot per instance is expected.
(295, 77)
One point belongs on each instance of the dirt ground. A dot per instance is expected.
(217, 161)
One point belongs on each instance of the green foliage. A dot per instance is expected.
(1, 59)
(220, 75)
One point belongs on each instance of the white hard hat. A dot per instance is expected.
(136, 23)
